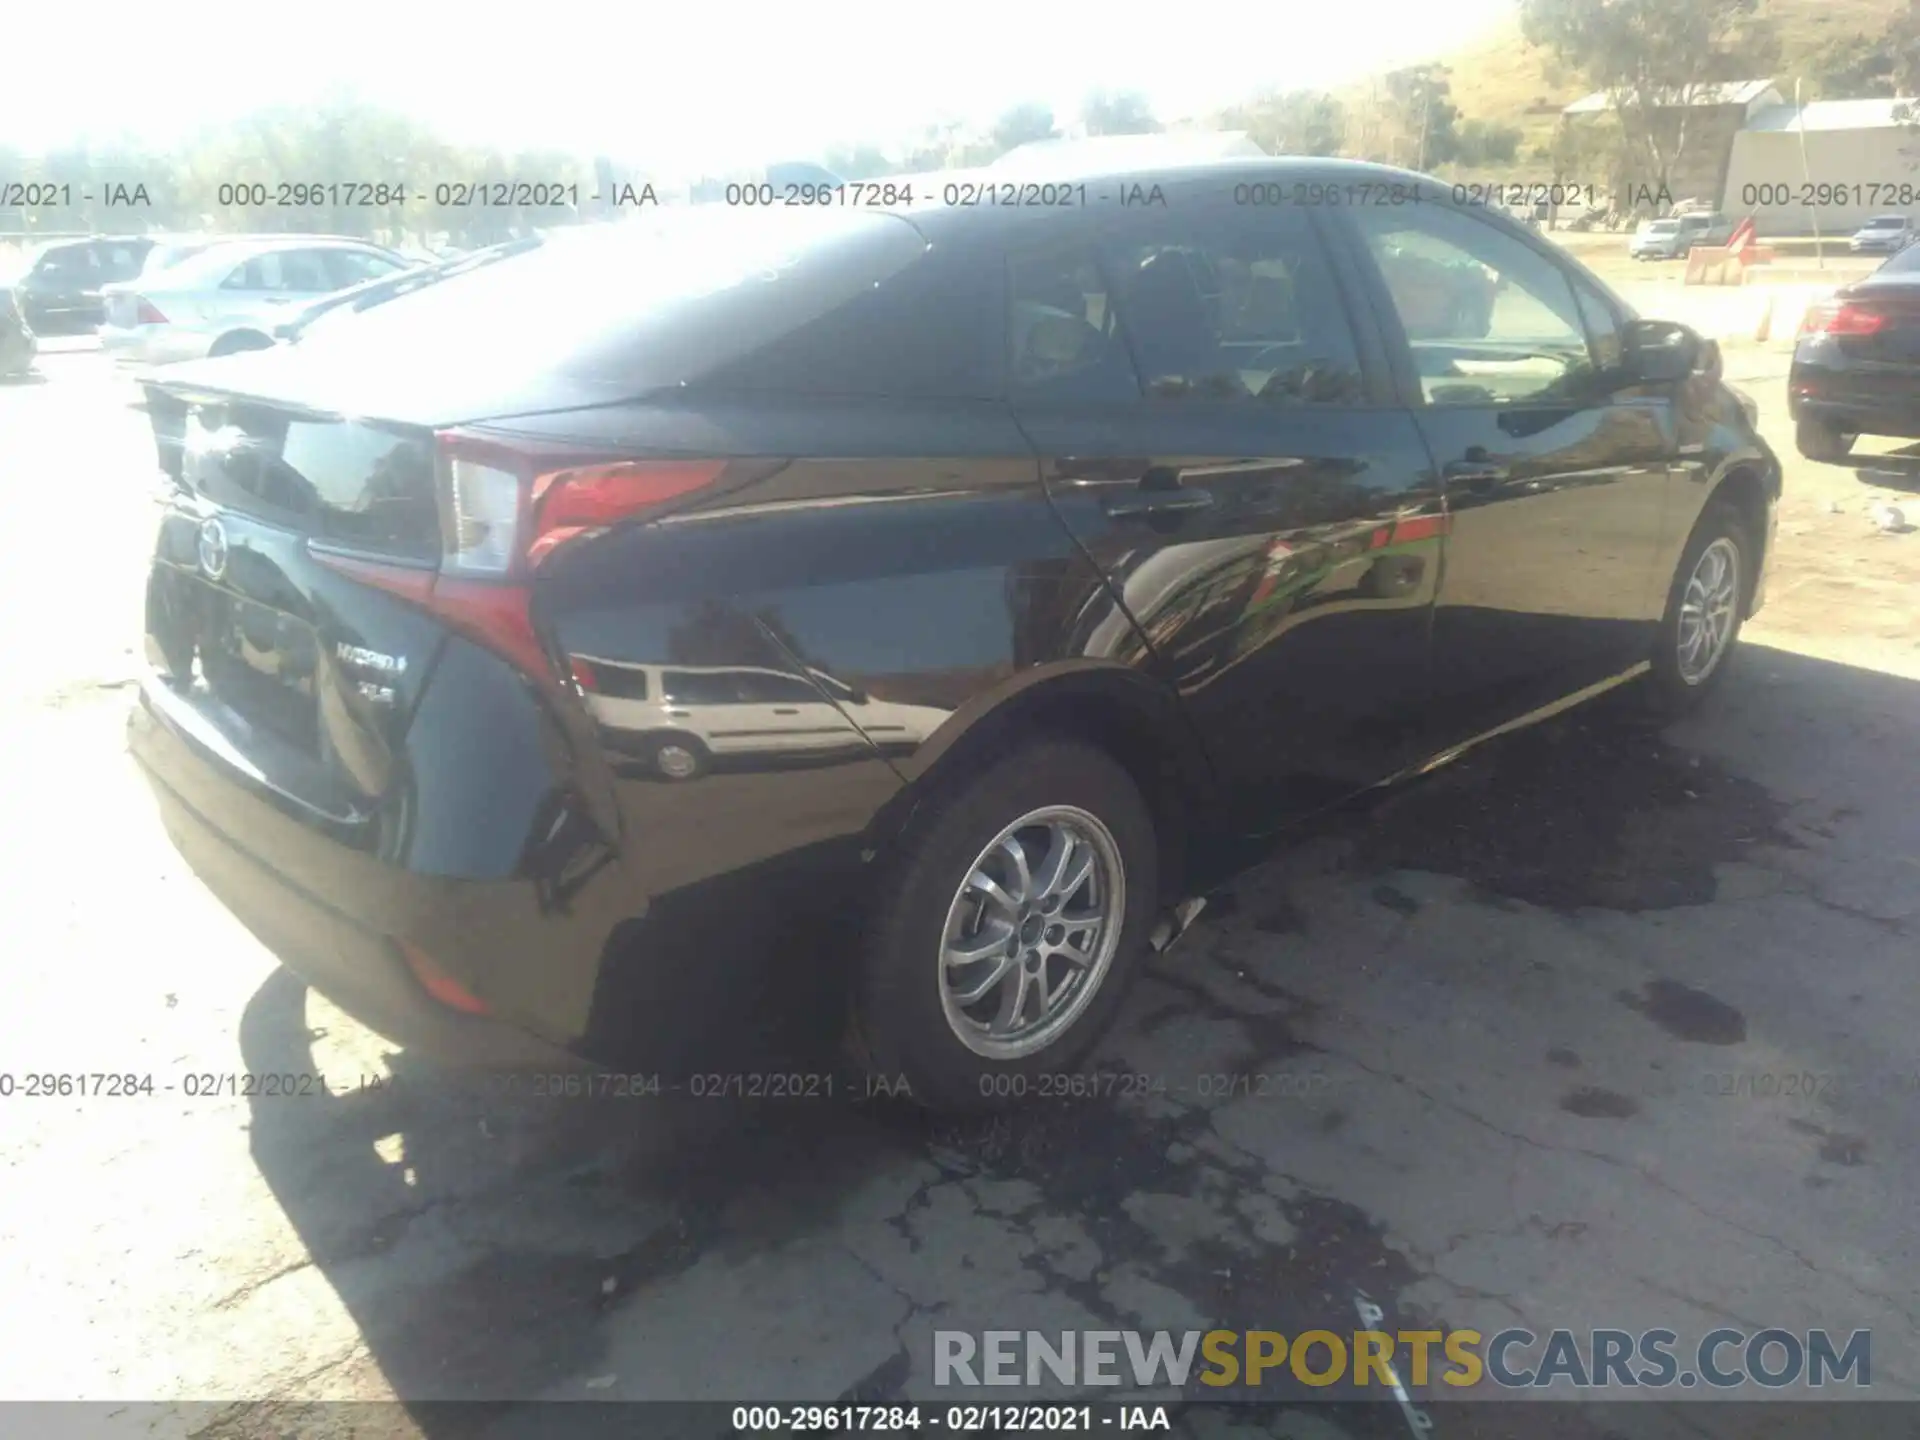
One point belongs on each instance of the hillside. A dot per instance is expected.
(1499, 77)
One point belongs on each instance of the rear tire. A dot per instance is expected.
(678, 757)
(1817, 440)
(1051, 810)
(1686, 664)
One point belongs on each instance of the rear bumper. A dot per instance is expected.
(350, 962)
(1883, 403)
(153, 344)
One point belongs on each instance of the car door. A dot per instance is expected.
(1557, 473)
(785, 712)
(250, 289)
(346, 267)
(1223, 443)
(259, 286)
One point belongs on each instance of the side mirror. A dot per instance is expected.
(1709, 363)
(1659, 352)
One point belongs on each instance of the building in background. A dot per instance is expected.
(1825, 167)
(1712, 115)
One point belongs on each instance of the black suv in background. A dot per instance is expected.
(1084, 527)
(59, 291)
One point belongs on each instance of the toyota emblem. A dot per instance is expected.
(213, 549)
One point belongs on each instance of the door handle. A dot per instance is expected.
(1474, 474)
(785, 710)
(1158, 502)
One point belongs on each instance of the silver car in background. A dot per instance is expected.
(229, 296)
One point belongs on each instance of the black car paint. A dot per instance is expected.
(955, 553)
(1865, 384)
(60, 291)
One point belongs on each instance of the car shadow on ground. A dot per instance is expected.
(495, 1248)
(1895, 470)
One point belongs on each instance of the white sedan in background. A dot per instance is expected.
(227, 297)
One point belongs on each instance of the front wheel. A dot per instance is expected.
(1006, 929)
(1702, 622)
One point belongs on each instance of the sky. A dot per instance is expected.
(697, 87)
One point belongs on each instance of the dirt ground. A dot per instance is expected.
(1499, 1022)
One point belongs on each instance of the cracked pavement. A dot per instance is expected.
(1475, 1049)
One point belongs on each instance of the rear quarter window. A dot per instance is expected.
(680, 296)
(930, 331)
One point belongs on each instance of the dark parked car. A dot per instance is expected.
(1155, 565)
(1856, 362)
(59, 291)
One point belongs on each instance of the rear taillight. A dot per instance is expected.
(504, 510)
(1842, 318)
(148, 314)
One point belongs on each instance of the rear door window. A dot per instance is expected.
(283, 272)
(699, 687)
(1063, 330)
(763, 687)
(261, 272)
(307, 272)
(1241, 306)
(619, 682)
(352, 267)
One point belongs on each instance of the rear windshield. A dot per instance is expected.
(1663, 227)
(1886, 222)
(642, 303)
(1905, 263)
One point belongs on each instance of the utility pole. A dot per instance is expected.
(1426, 119)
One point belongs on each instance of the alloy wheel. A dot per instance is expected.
(1709, 611)
(1032, 932)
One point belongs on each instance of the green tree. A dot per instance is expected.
(1848, 66)
(1122, 112)
(859, 162)
(1419, 101)
(1654, 59)
(1486, 142)
(1291, 122)
(1022, 125)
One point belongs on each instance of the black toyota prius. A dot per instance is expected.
(539, 659)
